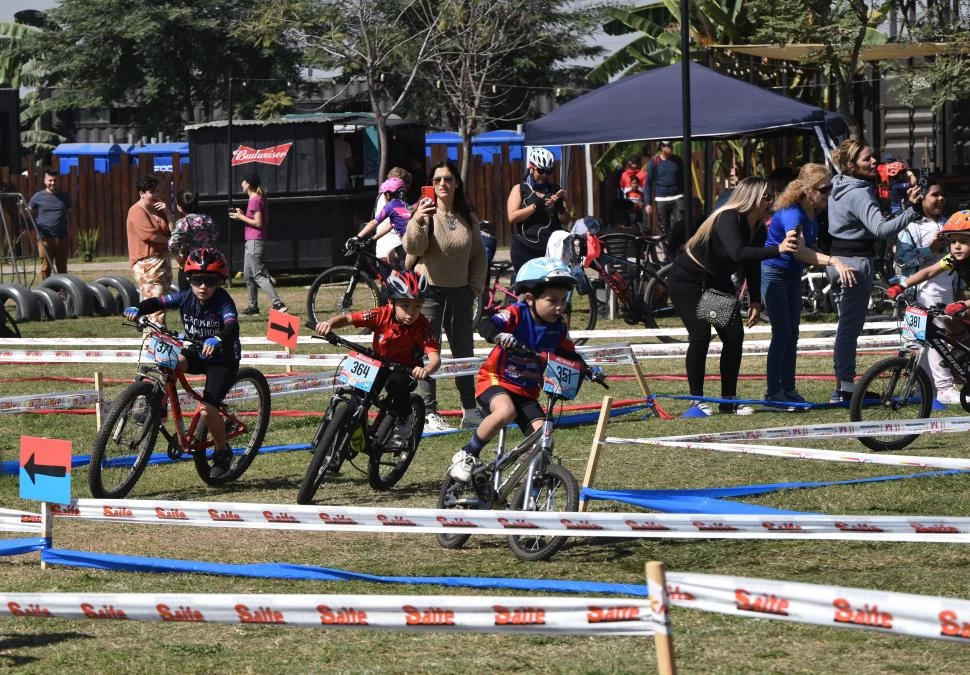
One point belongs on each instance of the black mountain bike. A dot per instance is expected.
(345, 430)
(898, 388)
(349, 288)
(528, 477)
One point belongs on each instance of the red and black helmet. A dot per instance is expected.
(207, 261)
(406, 286)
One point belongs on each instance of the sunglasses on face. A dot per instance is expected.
(443, 179)
(209, 280)
(825, 189)
(544, 172)
(768, 196)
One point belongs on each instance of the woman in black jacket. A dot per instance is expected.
(731, 238)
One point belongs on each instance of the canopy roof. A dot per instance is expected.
(647, 106)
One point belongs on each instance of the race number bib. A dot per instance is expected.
(562, 377)
(163, 352)
(359, 371)
(914, 323)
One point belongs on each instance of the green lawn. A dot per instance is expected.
(704, 642)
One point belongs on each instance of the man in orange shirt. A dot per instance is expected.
(149, 226)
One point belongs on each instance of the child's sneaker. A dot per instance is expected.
(462, 465)
(471, 418)
(221, 461)
(402, 431)
(280, 307)
(435, 422)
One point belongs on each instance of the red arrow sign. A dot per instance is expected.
(283, 328)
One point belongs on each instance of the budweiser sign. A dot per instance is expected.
(274, 155)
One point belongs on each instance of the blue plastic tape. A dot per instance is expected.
(21, 546)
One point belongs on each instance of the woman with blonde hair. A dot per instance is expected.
(796, 209)
(855, 223)
(731, 237)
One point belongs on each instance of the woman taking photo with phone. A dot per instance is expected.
(443, 243)
(855, 225)
(797, 209)
(535, 209)
(731, 237)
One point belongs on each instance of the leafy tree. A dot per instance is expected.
(164, 59)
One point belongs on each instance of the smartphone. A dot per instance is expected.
(923, 180)
(798, 230)
(427, 192)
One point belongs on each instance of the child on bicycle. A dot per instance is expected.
(957, 231)
(402, 335)
(389, 224)
(208, 315)
(509, 382)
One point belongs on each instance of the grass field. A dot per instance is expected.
(704, 642)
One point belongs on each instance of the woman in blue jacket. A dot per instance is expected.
(796, 209)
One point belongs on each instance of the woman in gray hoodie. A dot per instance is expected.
(855, 223)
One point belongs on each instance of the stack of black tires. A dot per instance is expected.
(64, 296)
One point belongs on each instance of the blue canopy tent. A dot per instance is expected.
(647, 106)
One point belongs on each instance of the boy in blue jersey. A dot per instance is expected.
(509, 382)
(208, 315)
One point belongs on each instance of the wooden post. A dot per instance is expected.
(641, 380)
(660, 612)
(99, 403)
(594, 450)
(289, 367)
(46, 525)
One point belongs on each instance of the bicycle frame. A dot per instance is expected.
(937, 339)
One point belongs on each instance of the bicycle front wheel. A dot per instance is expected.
(386, 467)
(246, 418)
(554, 491)
(125, 441)
(330, 444)
(884, 394)
(656, 304)
(341, 289)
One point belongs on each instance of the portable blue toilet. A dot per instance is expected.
(450, 139)
(106, 155)
(488, 145)
(161, 154)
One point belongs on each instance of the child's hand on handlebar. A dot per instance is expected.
(895, 291)
(322, 328)
(507, 341)
(955, 309)
(420, 373)
(131, 313)
(210, 346)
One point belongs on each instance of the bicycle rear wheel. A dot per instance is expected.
(248, 403)
(463, 496)
(554, 491)
(125, 441)
(341, 289)
(656, 304)
(386, 468)
(881, 395)
(330, 443)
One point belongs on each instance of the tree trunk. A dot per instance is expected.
(382, 141)
(466, 155)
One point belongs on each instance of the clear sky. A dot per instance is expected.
(10, 7)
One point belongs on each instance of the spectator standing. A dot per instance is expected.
(443, 242)
(49, 208)
(149, 225)
(633, 170)
(734, 176)
(665, 189)
(919, 246)
(634, 195)
(535, 209)
(256, 219)
(855, 225)
(797, 209)
(729, 238)
(191, 231)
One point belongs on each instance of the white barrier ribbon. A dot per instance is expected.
(522, 523)
(902, 613)
(481, 614)
(802, 453)
(761, 346)
(20, 521)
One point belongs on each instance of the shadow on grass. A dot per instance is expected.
(28, 641)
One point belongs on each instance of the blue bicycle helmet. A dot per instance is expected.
(543, 272)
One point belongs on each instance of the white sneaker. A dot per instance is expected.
(742, 409)
(435, 422)
(471, 418)
(948, 396)
(704, 407)
(462, 465)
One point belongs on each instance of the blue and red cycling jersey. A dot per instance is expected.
(517, 372)
(216, 318)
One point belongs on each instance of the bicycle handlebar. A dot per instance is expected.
(338, 341)
(596, 376)
(143, 322)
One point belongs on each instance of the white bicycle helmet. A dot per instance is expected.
(541, 158)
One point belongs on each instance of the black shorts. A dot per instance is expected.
(219, 375)
(527, 410)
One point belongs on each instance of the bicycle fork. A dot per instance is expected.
(536, 466)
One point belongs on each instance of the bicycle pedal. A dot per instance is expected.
(469, 502)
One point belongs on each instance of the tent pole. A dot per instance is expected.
(589, 179)
(708, 166)
(685, 95)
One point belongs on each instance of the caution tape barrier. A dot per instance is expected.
(483, 614)
(901, 613)
(599, 524)
(19, 521)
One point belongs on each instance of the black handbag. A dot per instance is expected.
(718, 308)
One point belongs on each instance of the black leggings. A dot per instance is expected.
(520, 254)
(685, 288)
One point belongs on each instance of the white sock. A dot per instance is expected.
(847, 387)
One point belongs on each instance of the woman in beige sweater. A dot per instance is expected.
(444, 243)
